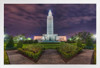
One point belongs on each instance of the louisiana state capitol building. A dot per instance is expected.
(50, 36)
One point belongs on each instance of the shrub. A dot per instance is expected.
(10, 44)
(6, 59)
(20, 44)
(68, 48)
(35, 41)
(21, 50)
(36, 56)
(33, 48)
(68, 51)
(33, 52)
(30, 54)
(94, 56)
(28, 41)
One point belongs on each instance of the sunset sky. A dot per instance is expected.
(31, 19)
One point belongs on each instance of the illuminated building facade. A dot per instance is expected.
(50, 36)
(61, 38)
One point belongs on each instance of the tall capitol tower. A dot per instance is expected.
(50, 36)
(49, 23)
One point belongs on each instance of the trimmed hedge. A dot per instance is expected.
(88, 47)
(94, 56)
(32, 54)
(68, 51)
(28, 42)
(6, 59)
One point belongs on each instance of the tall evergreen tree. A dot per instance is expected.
(20, 44)
(89, 42)
(10, 44)
(79, 43)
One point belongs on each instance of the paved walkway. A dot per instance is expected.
(16, 58)
(50, 56)
(84, 58)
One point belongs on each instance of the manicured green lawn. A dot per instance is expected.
(72, 43)
(45, 46)
(6, 59)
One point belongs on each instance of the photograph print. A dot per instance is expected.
(50, 34)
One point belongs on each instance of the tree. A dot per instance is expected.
(79, 43)
(83, 36)
(71, 40)
(89, 43)
(80, 35)
(6, 38)
(20, 44)
(10, 44)
(28, 42)
(19, 37)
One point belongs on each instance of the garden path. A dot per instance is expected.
(16, 58)
(50, 56)
(84, 58)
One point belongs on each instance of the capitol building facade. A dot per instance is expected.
(50, 36)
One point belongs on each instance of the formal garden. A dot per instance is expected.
(33, 49)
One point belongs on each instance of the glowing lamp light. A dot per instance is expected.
(28, 38)
(77, 38)
(94, 36)
(5, 35)
(70, 39)
(21, 38)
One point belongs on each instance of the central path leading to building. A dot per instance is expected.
(17, 58)
(50, 56)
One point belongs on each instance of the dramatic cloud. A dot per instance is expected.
(30, 19)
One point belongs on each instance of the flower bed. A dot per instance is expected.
(68, 51)
(33, 52)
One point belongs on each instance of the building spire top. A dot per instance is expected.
(50, 13)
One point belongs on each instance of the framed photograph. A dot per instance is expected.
(41, 34)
